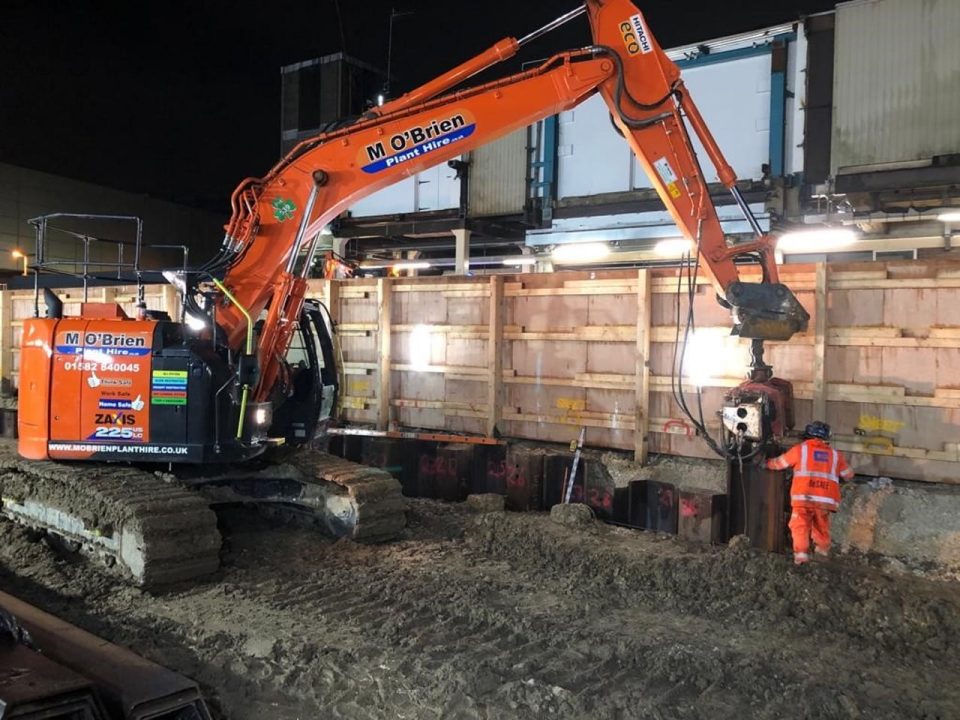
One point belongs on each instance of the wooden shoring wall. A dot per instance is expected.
(880, 360)
(17, 305)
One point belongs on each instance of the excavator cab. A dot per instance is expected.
(313, 393)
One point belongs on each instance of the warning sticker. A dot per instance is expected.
(168, 387)
(668, 176)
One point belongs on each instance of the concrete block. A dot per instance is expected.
(523, 477)
(572, 514)
(702, 516)
(453, 471)
(621, 505)
(599, 489)
(491, 476)
(654, 506)
(556, 467)
(485, 502)
(392, 455)
(425, 484)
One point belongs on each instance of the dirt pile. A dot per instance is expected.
(502, 615)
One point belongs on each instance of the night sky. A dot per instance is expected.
(181, 100)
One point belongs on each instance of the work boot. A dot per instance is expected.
(801, 558)
(821, 554)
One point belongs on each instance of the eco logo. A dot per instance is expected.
(284, 209)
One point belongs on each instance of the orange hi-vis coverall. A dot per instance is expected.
(814, 493)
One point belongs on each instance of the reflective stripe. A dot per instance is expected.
(824, 476)
(831, 476)
(801, 556)
(814, 498)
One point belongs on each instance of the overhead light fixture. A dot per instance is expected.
(520, 261)
(581, 252)
(815, 240)
(18, 254)
(673, 247)
(949, 215)
(419, 265)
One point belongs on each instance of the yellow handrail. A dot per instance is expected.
(246, 387)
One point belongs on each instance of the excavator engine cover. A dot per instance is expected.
(766, 311)
(130, 390)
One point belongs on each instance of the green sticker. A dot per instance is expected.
(168, 401)
(284, 209)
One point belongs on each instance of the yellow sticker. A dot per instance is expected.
(872, 423)
(673, 190)
(169, 373)
(571, 404)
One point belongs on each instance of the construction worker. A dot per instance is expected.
(815, 490)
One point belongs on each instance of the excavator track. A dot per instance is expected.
(160, 529)
(343, 498)
(151, 526)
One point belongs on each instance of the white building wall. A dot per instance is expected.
(896, 82)
(435, 189)
(734, 98)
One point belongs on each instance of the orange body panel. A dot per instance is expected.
(33, 412)
(86, 381)
(105, 311)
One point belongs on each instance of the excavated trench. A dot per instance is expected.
(505, 615)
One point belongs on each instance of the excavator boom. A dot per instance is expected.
(277, 217)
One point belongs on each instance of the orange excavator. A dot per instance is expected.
(219, 384)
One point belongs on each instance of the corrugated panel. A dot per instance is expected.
(734, 98)
(498, 176)
(436, 188)
(896, 81)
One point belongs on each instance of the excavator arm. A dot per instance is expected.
(269, 244)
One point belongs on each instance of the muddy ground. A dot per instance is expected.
(512, 616)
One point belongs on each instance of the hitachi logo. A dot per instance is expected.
(103, 339)
(643, 36)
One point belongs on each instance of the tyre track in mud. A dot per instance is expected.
(494, 627)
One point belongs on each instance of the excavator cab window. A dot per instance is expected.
(314, 385)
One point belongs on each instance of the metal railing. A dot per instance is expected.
(95, 248)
